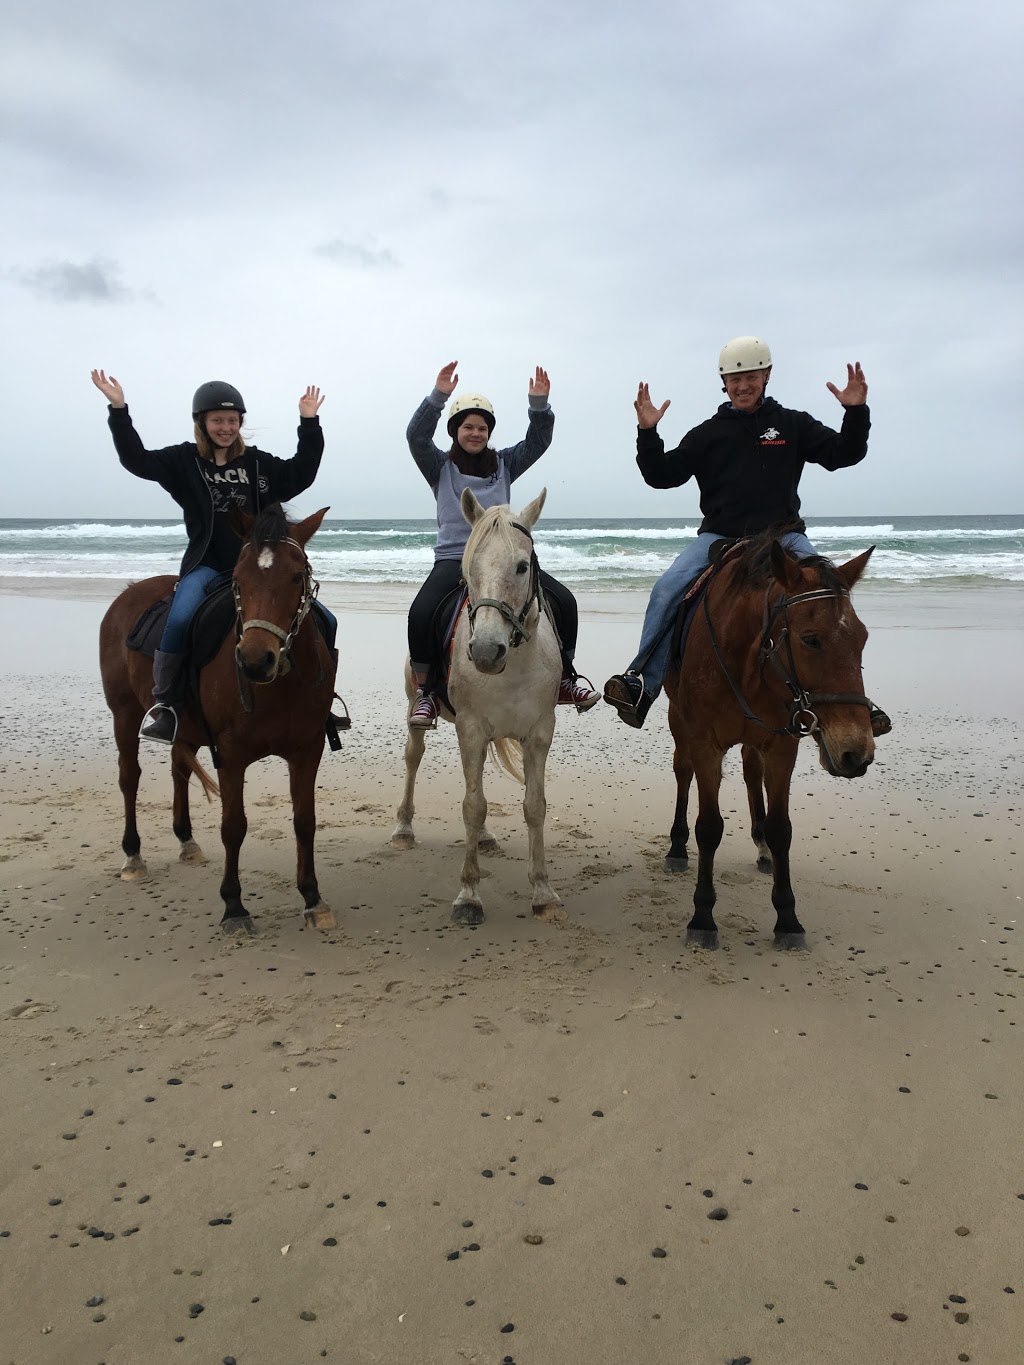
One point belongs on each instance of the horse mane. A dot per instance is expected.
(497, 519)
(271, 525)
(753, 568)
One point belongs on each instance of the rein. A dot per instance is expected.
(516, 620)
(310, 589)
(803, 719)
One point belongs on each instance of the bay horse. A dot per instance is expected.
(773, 655)
(268, 690)
(503, 685)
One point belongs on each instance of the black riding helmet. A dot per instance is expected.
(216, 396)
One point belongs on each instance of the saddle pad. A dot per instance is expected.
(722, 551)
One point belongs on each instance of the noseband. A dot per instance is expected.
(517, 620)
(775, 636)
(310, 589)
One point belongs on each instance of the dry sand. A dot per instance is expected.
(334, 1145)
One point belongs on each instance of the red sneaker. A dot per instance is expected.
(423, 715)
(577, 692)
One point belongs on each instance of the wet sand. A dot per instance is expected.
(332, 1147)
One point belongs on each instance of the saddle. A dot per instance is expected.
(721, 552)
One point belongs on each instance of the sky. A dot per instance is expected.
(352, 195)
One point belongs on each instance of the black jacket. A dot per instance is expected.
(747, 466)
(179, 469)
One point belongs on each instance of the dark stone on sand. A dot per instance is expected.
(307, 1316)
(546, 1180)
(898, 1317)
(467, 1222)
(904, 1089)
(53, 1203)
(470, 1303)
(1009, 1290)
(95, 1301)
(229, 1360)
(619, 1279)
(453, 1255)
(142, 1199)
(719, 1215)
(151, 1099)
(99, 1317)
(957, 1298)
(741, 1360)
(473, 1246)
(330, 1241)
(87, 1113)
(660, 1253)
(708, 1194)
(961, 1317)
(173, 1080)
(509, 1327)
(382, 1203)
(194, 1309)
(860, 1186)
(963, 1232)
(69, 1137)
(487, 1175)
(597, 1114)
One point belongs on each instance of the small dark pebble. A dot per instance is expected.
(961, 1317)
(382, 1203)
(330, 1241)
(307, 1316)
(87, 1113)
(898, 1317)
(467, 1222)
(957, 1298)
(660, 1253)
(546, 1180)
(142, 1199)
(173, 1080)
(53, 1203)
(619, 1279)
(1009, 1290)
(487, 1175)
(453, 1255)
(859, 1186)
(904, 1089)
(99, 1317)
(741, 1360)
(69, 1137)
(509, 1327)
(95, 1301)
(470, 1303)
(708, 1194)
(229, 1360)
(179, 1339)
(598, 1114)
(228, 1085)
(194, 1309)
(719, 1215)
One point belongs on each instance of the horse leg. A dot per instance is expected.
(677, 859)
(126, 734)
(302, 779)
(182, 820)
(467, 907)
(702, 931)
(778, 833)
(753, 776)
(403, 836)
(546, 903)
(233, 827)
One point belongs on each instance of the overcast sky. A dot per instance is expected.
(353, 194)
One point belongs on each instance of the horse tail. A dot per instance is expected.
(208, 784)
(508, 754)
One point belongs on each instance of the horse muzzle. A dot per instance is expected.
(850, 759)
(488, 656)
(260, 666)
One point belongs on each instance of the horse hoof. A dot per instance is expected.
(320, 917)
(192, 853)
(488, 846)
(789, 943)
(553, 913)
(403, 839)
(677, 864)
(764, 864)
(467, 912)
(702, 938)
(238, 924)
(133, 870)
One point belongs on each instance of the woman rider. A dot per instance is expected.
(472, 463)
(207, 477)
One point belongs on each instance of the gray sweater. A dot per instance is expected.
(446, 480)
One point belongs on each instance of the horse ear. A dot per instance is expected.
(532, 511)
(304, 531)
(241, 522)
(851, 571)
(471, 507)
(784, 567)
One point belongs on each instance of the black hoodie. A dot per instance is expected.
(748, 465)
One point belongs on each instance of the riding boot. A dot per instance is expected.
(161, 720)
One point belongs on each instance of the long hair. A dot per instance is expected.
(236, 448)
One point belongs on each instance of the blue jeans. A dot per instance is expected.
(666, 595)
(187, 596)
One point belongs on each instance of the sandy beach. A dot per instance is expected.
(412, 1143)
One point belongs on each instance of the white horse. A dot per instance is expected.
(505, 671)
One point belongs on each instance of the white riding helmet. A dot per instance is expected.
(742, 354)
(467, 403)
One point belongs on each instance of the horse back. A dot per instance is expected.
(118, 664)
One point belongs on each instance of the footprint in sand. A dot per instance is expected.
(29, 1009)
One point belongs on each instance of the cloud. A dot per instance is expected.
(92, 281)
(354, 253)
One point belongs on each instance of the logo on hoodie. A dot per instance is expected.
(772, 438)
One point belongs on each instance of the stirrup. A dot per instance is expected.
(154, 726)
(880, 722)
(619, 692)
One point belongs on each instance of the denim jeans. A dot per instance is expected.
(666, 595)
(187, 596)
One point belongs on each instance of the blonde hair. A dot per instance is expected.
(236, 448)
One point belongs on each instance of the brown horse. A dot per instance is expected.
(274, 642)
(773, 654)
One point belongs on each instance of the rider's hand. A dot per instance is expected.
(110, 388)
(447, 379)
(647, 415)
(540, 384)
(856, 391)
(309, 403)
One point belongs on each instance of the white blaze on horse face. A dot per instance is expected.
(266, 558)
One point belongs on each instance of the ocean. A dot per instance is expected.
(590, 554)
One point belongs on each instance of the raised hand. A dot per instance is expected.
(647, 415)
(109, 388)
(856, 391)
(309, 403)
(540, 384)
(447, 378)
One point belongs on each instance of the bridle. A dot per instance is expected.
(517, 620)
(310, 589)
(775, 637)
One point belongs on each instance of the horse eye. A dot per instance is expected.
(522, 566)
(296, 578)
(811, 641)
